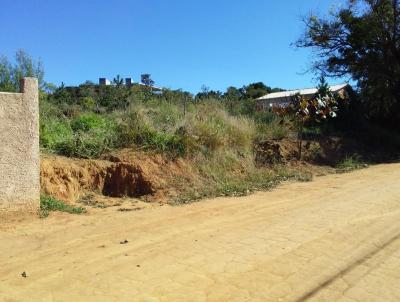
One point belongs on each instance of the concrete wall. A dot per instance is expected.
(268, 104)
(19, 148)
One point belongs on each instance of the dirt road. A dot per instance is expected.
(336, 238)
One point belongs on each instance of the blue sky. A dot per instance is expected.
(181, 43)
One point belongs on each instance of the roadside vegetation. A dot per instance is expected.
(49, 204)
(219, 142)
(222, 132)
(351, 163)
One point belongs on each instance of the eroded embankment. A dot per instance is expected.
(122, 174)
(130, 173)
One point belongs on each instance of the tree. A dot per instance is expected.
(255, 90)
(24, 66)
(6, 75)
(206, 93)
(118, 81)
(233, 94)
(112, 98)
(323, 87)
(62, 95)
(361, 41)
(322, 106)
(146, 79)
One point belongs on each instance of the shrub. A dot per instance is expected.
(54, 133)
(85, 145)
(88, 121)
(93, 135)
(87, 135)
(164, 142)
(87, 103)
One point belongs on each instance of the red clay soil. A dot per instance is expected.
(131, 173)
(125, 173)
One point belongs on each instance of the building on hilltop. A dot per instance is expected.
(282, 99)
(128, 82)
(104, 81)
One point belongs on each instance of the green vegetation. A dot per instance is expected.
(351, 163)
(217, 135)
(90, 120)
(49, 204)
(87, 135)
(170, 122)
(24, 66)
(361, 40)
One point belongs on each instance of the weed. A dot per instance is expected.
(49, 204)
(351, 163)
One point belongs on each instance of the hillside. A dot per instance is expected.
(132, 142)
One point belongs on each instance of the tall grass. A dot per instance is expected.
(158, 124)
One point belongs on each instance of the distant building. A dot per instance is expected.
(104, 81)
(282, 99)
(128, 82)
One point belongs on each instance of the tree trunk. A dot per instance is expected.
(300, 140)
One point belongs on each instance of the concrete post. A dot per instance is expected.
(19, 148)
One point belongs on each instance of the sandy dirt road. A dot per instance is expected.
(334, 239)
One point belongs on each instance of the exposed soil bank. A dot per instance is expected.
(129, 173)
(125, 173)
(336, 238)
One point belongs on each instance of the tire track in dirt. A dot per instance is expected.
(354, 265)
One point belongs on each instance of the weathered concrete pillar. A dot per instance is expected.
(19, 148)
